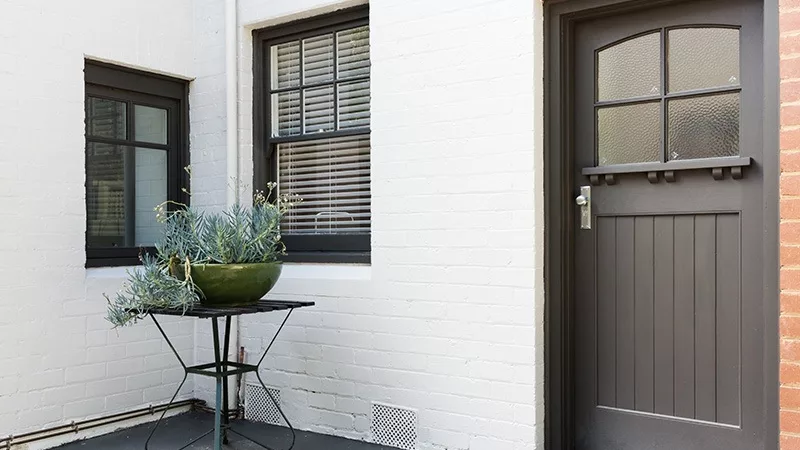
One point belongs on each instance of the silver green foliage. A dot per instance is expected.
(240, 235)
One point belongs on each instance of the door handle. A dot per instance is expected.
(584, 201)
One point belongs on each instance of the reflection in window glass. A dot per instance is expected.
(106, 118)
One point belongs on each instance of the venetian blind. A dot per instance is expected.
(332, 176)
(320, 84)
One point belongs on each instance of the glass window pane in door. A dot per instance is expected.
(703, 127)
(629, 69)
(629, 133)
(150, 124)
(701, 58)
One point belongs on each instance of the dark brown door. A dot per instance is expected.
(668, 300)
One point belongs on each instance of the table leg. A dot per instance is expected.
(218, 403)
(274, 402)
(225, 412)
(185, 374)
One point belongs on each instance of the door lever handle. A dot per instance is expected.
(584, 200)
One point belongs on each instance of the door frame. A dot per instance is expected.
(560, 17)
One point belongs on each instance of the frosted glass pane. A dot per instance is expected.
(286, 113)
(318, 59)
(630, 69)
(150, 124)
(628, 134)
(703, 58)
(285, 64)
(354, 105)
(318, 104)
(704, 127)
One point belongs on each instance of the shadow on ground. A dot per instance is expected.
(175, 432)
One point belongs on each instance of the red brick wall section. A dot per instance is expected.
(790, 224)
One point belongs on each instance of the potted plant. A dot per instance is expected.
(214, 259)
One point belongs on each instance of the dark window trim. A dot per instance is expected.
(128, 85)
(348, 248)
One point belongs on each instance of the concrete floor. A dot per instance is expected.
(176, 431)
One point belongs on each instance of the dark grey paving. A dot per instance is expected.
(176, 431)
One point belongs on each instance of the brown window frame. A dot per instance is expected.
(339, 248)
(134, 86)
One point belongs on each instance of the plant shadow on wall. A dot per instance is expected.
(229, 258)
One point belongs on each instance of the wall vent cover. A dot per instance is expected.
(394, 426)
(259, 408)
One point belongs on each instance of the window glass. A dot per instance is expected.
(332, 176)
(704, 127)
(702, 58)
(318, 59)
(150, 124)
(353, 49)
(631, 68)
(106, 118)
(629, 134)
(285, 61)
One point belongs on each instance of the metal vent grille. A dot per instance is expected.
(393, 426)
(259, 408)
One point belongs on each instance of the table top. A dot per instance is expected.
(218, 311)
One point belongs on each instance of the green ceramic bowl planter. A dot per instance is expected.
(215, 259)
(232, 284)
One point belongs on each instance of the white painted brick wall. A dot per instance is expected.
(61, 361)
(448, 318)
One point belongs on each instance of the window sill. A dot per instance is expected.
(328, 257)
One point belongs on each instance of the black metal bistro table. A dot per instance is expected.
(221, 368)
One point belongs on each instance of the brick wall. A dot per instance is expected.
(60, 359)
(790, 224)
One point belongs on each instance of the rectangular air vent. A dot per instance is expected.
(394, 426)
(259, 408)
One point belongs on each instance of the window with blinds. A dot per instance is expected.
(317, 132)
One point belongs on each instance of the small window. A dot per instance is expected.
(312, 132)
(135, 154)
